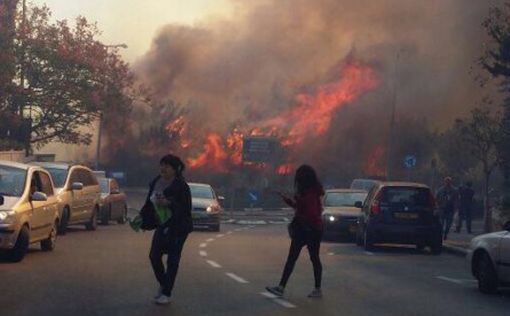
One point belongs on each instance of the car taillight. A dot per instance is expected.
(375, 207)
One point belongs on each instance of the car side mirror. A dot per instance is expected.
(358, 204)
(77, 186)
(507, 226)
(221, 198)
(39, 197)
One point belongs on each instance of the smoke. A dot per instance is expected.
(248, 68)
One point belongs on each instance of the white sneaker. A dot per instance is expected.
(163, 300)
(275, 290)
(316, 293)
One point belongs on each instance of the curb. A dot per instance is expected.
(454, 250)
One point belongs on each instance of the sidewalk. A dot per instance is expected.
(458, 243)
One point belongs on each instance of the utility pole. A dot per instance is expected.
(389, 153)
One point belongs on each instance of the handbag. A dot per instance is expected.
(148, 215)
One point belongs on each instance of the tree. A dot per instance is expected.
(483, 132)
(66, 77)
(7, 31)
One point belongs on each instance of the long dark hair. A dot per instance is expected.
(305, 179)
(175, 162)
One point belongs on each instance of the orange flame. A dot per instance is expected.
(284, 169)
(214, 155)
(374, 165)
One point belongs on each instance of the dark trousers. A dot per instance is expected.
(312, 240)
(464, 215)
(164, 243)
(447, 221)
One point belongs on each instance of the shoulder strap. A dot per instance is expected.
(151, 188)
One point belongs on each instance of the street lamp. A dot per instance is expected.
(100, 124)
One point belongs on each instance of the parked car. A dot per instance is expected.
(489, 259)
(364, 184)
(206, 207)
(78, 194)
(113, 205)
(400, 213)
(340, 214)
(28, 209)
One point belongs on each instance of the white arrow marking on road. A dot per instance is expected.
(210, 240)
(203, 245)
(203, 253)
(456, 281)
(236, 278)
(278, 300)
(213, 264)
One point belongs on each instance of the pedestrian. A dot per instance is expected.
(171, 197)
(447, 199)
(306, 227)
(466, 199)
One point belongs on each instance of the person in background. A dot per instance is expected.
(305, 229)
(171, 197)
(466, 199)
(447, 200)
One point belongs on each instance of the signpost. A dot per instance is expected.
(410, 162)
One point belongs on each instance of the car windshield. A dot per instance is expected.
(201, 192)
(334, 199)
(105, 187)
(12, 181)
(409, 196)
(59, 176)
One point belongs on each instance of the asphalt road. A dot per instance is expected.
(107, 272)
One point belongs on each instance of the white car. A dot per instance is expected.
(489, 259)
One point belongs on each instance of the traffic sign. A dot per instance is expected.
(410, 161)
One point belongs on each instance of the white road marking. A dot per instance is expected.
(237, 278)
(203, 253)
(230, 233)
(331, 254)
(369, 253)
(220, 235)
(278, 300)
(203, 245)
(213, 264)
(456, 281)
(210, 240)
(238, 229)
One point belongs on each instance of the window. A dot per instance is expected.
(88, 179)
(201, 192)
(104, 184)
(59, 176)
(45, 182)
(409, 196)
(12, 181)
(75, 176)
(114, 186)
(336, 199)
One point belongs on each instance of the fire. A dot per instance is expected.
(374, 164)
(213, 155)
(310, 116)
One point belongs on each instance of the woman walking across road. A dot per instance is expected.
(306, 228)
(170, 195)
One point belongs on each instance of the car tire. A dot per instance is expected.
(62, 228)
(368, 240)
(92, 224)
(49, 244)
(487, 277)
(20, 249)
(106, 215)
(122, 220)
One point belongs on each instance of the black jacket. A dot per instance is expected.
(179, 195)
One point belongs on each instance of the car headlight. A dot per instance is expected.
(209, 209)
(331, 218)
(6, 217)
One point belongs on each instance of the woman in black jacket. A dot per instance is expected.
(171, 197)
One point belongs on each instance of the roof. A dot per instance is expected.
(13, 164)
(346, 191)
(55, 165)
(403, 184)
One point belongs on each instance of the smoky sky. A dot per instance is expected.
(248, 67)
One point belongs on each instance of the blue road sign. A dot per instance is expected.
(410, 161)
(253, 196)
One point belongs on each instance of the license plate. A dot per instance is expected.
(406, 215)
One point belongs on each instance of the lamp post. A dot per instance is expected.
(100, 123)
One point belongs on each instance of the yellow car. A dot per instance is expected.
(78, 194)
(28, 209)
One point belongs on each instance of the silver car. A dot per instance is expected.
(206, 207)
(341, 213)
(489, 259)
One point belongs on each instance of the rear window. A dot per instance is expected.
(408, 196)
(337, 199)
(363, 184)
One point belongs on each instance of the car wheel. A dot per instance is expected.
(92, 224)
(20, 249)
(368, 240)
(105, 216)
(122, 219)
(62, 228)
(49, 244)
(487, 277)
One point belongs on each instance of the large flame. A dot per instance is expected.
(310, 116)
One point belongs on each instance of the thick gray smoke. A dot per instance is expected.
(248, 68)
